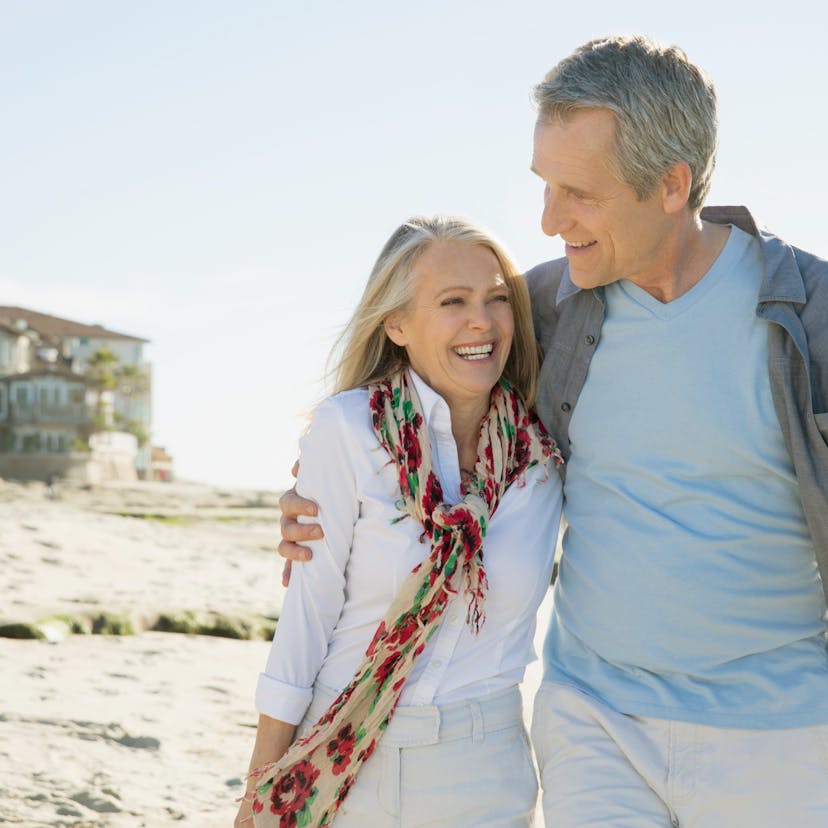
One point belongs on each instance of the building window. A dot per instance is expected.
(32, 442)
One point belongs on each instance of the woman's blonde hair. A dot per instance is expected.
(363, 352)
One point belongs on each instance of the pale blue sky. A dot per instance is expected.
(219, 176)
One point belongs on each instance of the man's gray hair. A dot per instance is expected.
(664, 108)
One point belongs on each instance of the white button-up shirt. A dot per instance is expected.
(335, 602)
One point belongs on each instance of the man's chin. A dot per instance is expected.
(583, 280)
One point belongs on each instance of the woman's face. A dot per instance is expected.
(458, 329)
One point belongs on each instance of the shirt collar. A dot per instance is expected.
(430, 400)
(781, 280)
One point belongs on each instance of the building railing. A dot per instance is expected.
(74, 414)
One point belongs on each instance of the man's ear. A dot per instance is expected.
(395, 329)
(675, 187)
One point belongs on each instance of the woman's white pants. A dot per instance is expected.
(464, 765)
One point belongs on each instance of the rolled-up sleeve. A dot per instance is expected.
(315, 597)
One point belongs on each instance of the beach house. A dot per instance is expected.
(70, 394)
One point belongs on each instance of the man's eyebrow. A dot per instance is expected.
(566, 187)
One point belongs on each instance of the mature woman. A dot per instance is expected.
(401, 644)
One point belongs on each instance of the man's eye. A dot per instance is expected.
(584, 198)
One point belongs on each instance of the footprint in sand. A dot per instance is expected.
(97, 802)
(94, 731)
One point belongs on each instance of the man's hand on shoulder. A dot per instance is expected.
(294, 534)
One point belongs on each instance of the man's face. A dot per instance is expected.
(609, 233)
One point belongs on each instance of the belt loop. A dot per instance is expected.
(388, 790)
(477, 722)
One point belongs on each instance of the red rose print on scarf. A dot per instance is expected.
(341, 747)
(292, 791)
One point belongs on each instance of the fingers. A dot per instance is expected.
(295, 532)
(295, 469)
(286, 573)
(292, 505)
(294, 551)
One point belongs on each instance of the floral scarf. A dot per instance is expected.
(310, 782)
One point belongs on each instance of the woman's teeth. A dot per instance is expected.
(473, 352)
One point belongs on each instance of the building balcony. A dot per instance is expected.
(77, 414)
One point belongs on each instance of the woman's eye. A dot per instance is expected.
(501, 297)
(451, 300)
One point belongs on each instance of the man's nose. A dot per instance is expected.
(554, 218)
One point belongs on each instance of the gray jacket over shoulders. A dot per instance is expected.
(793, 297)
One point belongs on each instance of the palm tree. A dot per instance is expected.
(101, 367)
(129, 381)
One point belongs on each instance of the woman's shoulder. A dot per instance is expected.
(351, 405)
(341, 434)
(345, 413)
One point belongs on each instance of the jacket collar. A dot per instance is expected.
(781, 280)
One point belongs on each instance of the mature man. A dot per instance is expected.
(686, 379)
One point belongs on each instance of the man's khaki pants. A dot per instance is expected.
(602, 768)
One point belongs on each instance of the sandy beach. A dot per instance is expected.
(149, 728)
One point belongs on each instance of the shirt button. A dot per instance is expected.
(565, 407)
(436, 664)
(589, 339)
(454, 619)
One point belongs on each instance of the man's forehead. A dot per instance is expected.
(575, 144)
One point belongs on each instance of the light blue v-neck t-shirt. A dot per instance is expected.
(688, 588)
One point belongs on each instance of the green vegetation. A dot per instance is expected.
(182, 622)
(71, 625)
(187, 622)
(169, 520)
(185, 519)
(107, 623)
(216, 624)
(20, 629)
(79, 445)
(107, 374)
